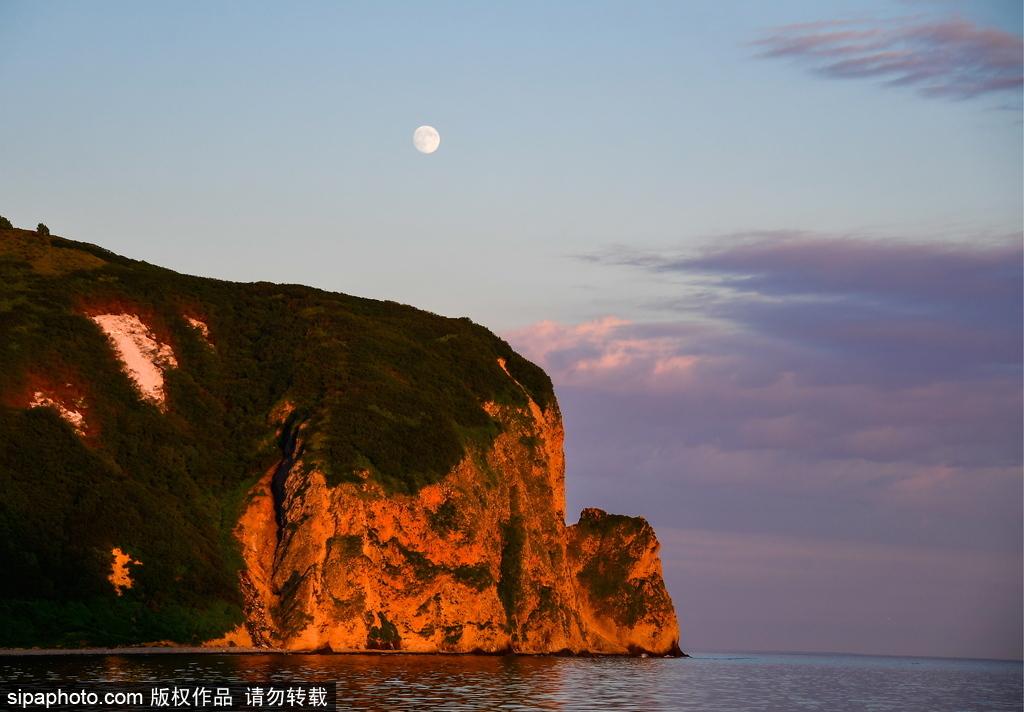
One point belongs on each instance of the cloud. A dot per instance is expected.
(605, 347)
(952, 58)
(811, 400)
(888, 311)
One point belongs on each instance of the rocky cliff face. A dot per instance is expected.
(478, 562)
(255, 465)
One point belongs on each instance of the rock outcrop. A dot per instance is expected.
(623, 598)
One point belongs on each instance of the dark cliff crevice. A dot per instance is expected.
(290, 451)
(510, 580)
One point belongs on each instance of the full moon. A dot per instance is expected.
(426, 139)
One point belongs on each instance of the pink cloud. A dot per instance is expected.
(953, 58)
(605, 350)
(744, 393)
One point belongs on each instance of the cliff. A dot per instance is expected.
(193, 461)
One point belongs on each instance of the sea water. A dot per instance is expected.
(718, 681)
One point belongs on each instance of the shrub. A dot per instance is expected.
(477, 577)
(5, 224)
(42, 229)
(513, 538)
(385, 636)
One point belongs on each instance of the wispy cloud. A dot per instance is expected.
(952, 58)
(922, 309)
(913, 312)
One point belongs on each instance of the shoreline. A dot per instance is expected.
(185, 650)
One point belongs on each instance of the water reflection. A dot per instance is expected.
(418, 682)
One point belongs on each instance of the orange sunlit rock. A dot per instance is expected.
(480, 561)
(120, 575)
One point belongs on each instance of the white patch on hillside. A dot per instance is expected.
(143, 357)
(120, 575)
(201, 326)
(74, 417)
(501, 362)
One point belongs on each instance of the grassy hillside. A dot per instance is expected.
(382, 386)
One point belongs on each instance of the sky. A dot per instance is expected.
(770, 253)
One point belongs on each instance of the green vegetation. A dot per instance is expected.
(5, 224)
(97, 622)
(42, 229)
(478, 576)
(349, 607)
(606, 575)
(452, 635)
(382, 387)
(607, 580)
(532, 442)
(290, 616)
(349, 546)
(422, 567)
(546, 604)
(446, 518)
(384, 636)
(594, 521)
(510, 582)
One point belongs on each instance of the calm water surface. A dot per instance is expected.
(705, 682)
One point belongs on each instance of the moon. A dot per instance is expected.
(426, 139)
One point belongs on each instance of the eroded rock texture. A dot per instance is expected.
(480, 561)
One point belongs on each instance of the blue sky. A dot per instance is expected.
(589, 152)
(270, 142)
